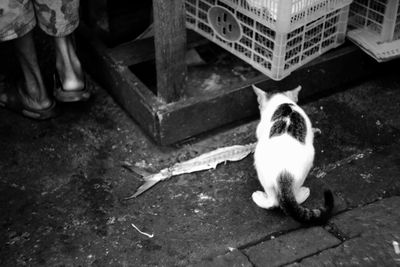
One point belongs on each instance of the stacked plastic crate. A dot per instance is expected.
(375, 27)
(274, 36)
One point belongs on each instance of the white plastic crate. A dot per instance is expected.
(274, 36)
(375, 27)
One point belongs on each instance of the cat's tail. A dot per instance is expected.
(289, 205)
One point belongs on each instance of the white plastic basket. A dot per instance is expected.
(274, 36)
(375, 27)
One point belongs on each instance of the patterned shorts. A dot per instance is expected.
(55, 17)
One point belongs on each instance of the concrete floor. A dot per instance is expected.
(62, 184)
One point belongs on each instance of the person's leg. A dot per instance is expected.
(68, 65)
(33, 92)
(28, 97)
(60, 19)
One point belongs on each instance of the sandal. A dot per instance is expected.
(63, 95)
(14, 103)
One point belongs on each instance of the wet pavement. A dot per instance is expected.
(62, 185)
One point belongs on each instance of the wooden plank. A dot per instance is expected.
(170, 47)
(138, 51)
(133, 52)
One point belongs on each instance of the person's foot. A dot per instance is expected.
(15, 100)
(30, 97)
(71, 95)
(70, 83)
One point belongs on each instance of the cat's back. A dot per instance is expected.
(284, 133)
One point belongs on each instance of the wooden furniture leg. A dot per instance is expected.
(170, 48)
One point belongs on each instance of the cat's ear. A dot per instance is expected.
(293, 94)
(261, 96)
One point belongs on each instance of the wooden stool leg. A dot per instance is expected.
(170, 46)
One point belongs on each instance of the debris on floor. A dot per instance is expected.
(143, 233)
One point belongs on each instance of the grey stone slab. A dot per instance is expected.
(378, 217)
(373, 250)
(234, 258)
(370, 231)
(345, 131)
(291, 247)
(372, 175)
(378, 97)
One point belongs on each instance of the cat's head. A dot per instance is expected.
(263, 97)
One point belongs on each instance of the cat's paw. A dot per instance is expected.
(261, 199)
(302, 194)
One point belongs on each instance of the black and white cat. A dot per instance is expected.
(284, 155)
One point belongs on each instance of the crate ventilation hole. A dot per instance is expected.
(224, 24)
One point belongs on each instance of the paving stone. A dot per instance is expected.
(374, 250)
(371, 176)
(371, 231)
(345, 131)
(234, 258)
(379, 97)
(381, 216)
(291, 247)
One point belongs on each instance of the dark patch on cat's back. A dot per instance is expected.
(286, 120)
(297, 127)
(278, 128)
(283, 111)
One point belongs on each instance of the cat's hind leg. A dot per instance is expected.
(302, 194)
(265, 200)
